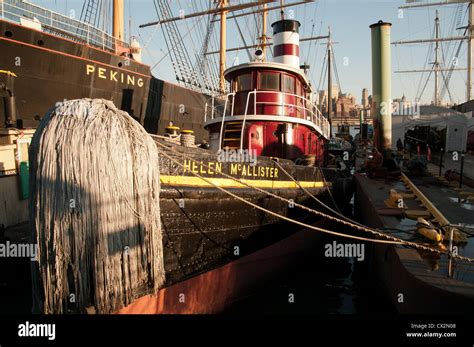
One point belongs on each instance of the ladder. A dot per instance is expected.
(90, 11)
(232, 135)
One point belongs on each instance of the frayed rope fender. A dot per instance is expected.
(94, 209)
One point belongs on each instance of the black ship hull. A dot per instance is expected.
(50, 69)
(214, 243)
(204, 227)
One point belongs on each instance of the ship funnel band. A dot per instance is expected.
(286, 42)
(286, 25)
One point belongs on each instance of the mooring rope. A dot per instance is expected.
(271, 212)
(94, 208)
(339, 214)
(390, 239)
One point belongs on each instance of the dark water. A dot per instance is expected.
(322, 286)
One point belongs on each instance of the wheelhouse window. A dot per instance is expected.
(288, 84)
(243, 82)
(298, 88)
(269, 81)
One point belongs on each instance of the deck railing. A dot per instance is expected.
(307, 111)
(58, 24)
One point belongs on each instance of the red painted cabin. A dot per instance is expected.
(269, 108)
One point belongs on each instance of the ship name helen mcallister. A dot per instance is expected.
(215, 168)
(114, 76)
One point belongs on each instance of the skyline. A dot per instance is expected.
(349, 21)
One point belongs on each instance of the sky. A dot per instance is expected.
(349, 21)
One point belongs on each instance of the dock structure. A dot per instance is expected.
(425, 210)
(416, 281)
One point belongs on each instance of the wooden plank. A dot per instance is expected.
(440, 218)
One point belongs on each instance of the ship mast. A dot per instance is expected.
(469, 37)
(118, 22)
(436, 62)
(223, 8)
(222, 46)
(329, 53)
(470, 48)
(263, 38)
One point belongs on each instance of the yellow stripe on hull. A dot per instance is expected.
(230, 183)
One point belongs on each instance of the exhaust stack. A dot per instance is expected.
(286, 42)
(381, 107)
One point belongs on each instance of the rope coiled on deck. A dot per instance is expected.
(94, 209)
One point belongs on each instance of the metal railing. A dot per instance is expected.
(57, 24)
(311, 113)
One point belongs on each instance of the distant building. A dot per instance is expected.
(346, 111)
(323, 97)
(365, 97)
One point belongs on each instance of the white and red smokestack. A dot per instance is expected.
(286, 42)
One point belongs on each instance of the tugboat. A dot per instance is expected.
(269, 109)
(268, 113)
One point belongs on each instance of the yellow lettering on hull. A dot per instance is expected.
(114, 76)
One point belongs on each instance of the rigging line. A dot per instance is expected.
(199, 58)
(146, 43)
(170, 49)
(337, 213)
(455, 19)
(313, 71)
(164, 37)
(311, 59)
(455, 55)
(398, 67)
(211, 61)
(202, 25)
(248, 26)
(323, 72)
(443, 76)
(243, 39)
(310, 43)
(447, 87)
(188, 28)
(428, 56)
(335, 69)
(203, 63)
(426, 83)
(146, 50)
(258, 25)
(304, 19)
(410, 47)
